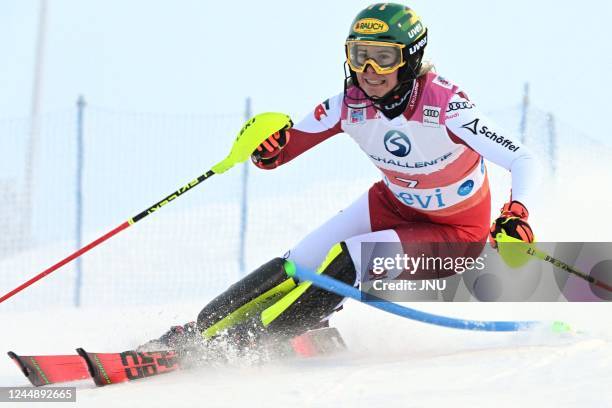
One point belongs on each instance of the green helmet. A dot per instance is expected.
(393, 23)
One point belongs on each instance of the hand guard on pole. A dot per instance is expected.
(268, 151)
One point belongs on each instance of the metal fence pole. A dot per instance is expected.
(524, 112)
(552, 142)
(35, 126)
(244, 203)
(79, 199)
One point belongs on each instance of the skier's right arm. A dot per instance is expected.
(283, 146)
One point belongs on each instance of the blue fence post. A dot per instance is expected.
(244, 204)
(79, 199)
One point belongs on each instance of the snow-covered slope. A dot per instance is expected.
(391, 362)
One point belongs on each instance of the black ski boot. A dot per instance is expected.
(177, 338)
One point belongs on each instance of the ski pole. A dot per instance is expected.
(252, 134)
(532, 250)
(342, 289)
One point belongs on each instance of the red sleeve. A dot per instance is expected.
(300, 142)
(320, 124)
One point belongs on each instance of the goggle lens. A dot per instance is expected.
(383, 57)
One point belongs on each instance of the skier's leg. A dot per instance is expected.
(250, 295)
(353, 220)
(307, 306)
(261, 288)
(267, 303)
(245, 299)
(239, 303)
(414, 239)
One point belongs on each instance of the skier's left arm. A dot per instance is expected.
(468, 125)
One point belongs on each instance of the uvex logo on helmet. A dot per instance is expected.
(416, 47)
(370, 26)
(415, 30)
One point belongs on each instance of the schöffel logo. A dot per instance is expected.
(472, 126)
(397, 143)
(370, 26)
(484, 130)
(431, 116)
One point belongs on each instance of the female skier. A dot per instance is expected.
(428, 140)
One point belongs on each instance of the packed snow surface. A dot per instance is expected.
(391, 362)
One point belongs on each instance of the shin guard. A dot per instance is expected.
(244, 300)
(306, 306)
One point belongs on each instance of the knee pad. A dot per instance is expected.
(246, 298)
(306, 306)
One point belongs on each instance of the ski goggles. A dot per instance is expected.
(385, 58)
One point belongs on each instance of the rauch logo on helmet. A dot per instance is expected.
(370, 26)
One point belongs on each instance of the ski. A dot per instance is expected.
(45, 370)
(113, 368)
